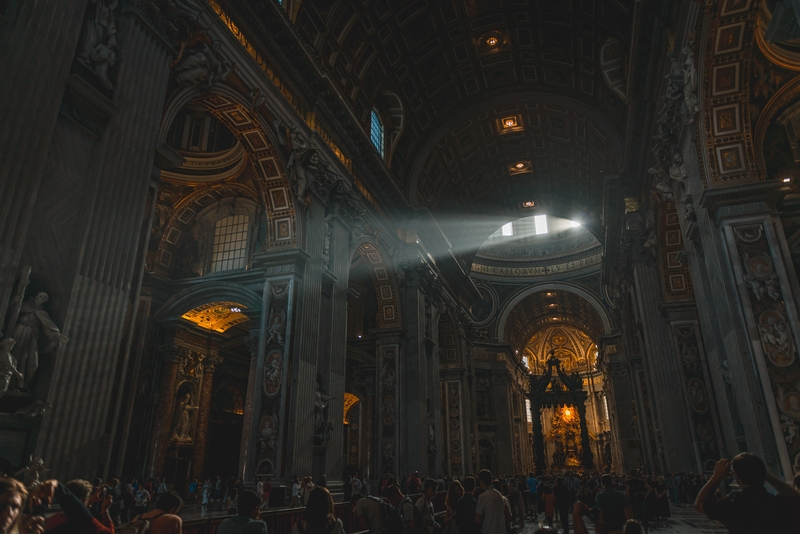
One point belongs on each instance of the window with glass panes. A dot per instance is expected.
(230, 243)
(376, 132)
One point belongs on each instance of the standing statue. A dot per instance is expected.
(100, 40)
(320, 403)
(8, 365)
(182, 431)
(34, 320)
(690, 83)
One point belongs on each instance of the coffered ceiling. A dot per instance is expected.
(458, 68)
(550, 308)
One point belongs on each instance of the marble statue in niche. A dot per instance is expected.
(99, 40)
(273, 372)
(277, 327)
(268, 433)
(690, 83)
(182, 429)
(776, 339)
(761, 278)
(33, 321)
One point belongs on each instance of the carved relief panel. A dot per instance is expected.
(770, 318)
(273, 383)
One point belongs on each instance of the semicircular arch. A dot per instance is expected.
(383, 279)
(596, 304)
(231, 108)
(196, 296)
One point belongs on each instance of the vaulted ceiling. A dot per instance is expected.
(550, 308)
(458, 67)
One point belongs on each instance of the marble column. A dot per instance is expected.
(587, 458)
(91, 256)
(36, 51)
(413, 402)
(269, 433)
(210, 363)
(387, 368)
(626, 443)
(662, 372)
(253, 389)
(503, 415)
(539, 457)
(163, 419)
(306, 340)
(338, 264)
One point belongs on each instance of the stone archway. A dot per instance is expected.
(385, 283)
(234, 112)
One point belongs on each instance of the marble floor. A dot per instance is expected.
(684, 520)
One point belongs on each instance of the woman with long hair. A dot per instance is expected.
(454, 493)
(13, 497)
(319, 517)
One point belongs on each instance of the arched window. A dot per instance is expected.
(376, 133)
(230, 243)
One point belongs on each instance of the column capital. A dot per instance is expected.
(211, 362)
(388, 336)
(755, 198)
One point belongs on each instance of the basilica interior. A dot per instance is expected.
(305, 237)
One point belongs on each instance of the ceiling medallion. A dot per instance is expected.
(491, 42)
(520, 167)
(509, 124)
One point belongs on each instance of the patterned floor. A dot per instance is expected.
(684, 520)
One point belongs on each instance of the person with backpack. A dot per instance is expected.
(163, 519)
(465, 509)
(380, 515)
(424, 518)
(320, 515)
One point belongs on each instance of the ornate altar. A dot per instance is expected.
(565, 393)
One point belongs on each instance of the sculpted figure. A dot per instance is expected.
(661, 183)
(100, 40)
(690, 82)
(8, 365)
(182, 431)
(203, 66)
(277, 327)
(33, 474)
(320, 403)
(33, 321)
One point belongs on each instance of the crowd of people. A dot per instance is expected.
(735, 495)
(740, 494)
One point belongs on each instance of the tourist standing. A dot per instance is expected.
(424, 519)
(295, 493)
(533, 495)
(465, 509)
(266, 491)
(563, 497)
(490, 511)
(614, 505)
